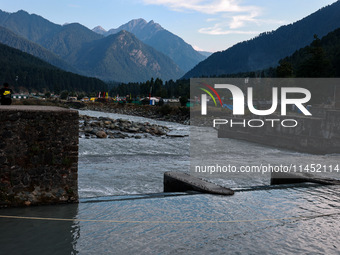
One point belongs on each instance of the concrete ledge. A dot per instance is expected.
(288, 178)
(181, 182)
(30, 108)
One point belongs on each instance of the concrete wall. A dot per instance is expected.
(38, 155)
(337, 97)
(312, 135)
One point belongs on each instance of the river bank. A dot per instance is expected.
(170, 113)
(307, 137)
(104, 127)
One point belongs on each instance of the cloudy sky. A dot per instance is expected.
(210, 25)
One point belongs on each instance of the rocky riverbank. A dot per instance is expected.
(102, 127)
(165, 113)
(170, 113)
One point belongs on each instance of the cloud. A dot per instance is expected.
(239, 21)
(230, 25)
(220, 31)
(233, 26)
(230, 16)
(197, 48)
(202, 6)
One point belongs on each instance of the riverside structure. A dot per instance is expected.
(38, 155)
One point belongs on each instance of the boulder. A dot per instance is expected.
(101, 134)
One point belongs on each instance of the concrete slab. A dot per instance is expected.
(288, 178)
(180, 182)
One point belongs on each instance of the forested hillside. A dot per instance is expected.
(13, 40)
(268, 48)
(23, 70)
(320, 59)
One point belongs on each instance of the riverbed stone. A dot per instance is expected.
(101, 134)
(99, 126)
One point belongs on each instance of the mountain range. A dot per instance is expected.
(268, 48)
(140, 50)
(154, 35)
(118, 56)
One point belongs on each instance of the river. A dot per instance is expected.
(122, 209)
(131, 166)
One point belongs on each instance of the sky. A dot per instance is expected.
(209, 25)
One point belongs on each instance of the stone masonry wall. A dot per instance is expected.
(38, 155)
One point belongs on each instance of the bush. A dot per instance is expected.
(185, 111)
(161, 102)
(64, 94)
(145, 101)
(165, 109)
(183, 100)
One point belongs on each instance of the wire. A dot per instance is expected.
(168, 222)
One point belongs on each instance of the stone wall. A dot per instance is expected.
(311, 135)
(38, 155)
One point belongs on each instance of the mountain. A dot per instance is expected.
(162, 40)
(205, 53)
(99, 30)
(88, 53)
(9, 38)
(140, 28)
(268, 48)
(319, 59)
(69, 40)
(29, 26)
(125, 58)
(23, 70)
(3, 16)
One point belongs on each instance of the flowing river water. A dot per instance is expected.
(122, 209)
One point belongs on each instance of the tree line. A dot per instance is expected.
(24, 71)
(155, 87)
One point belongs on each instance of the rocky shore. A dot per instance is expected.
(165, 113)
(170, 113)
(102, 127)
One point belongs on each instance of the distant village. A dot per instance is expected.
(101, 97)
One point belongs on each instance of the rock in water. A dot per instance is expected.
(101, 134)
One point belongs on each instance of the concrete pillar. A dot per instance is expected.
(38, 155)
